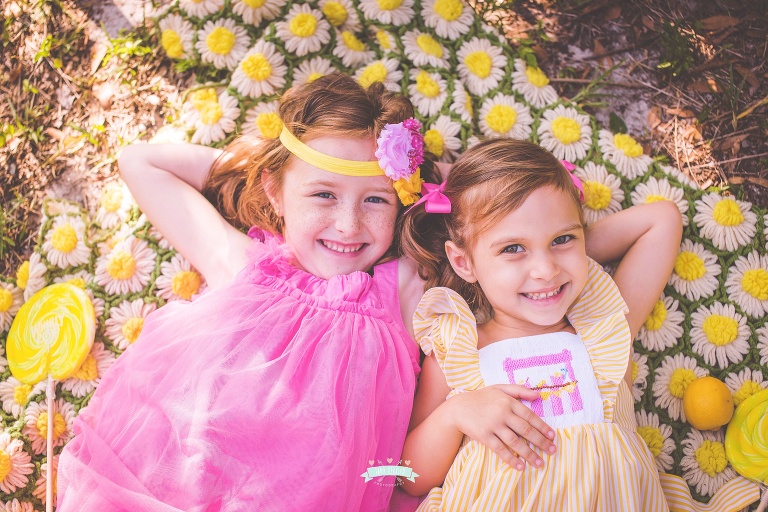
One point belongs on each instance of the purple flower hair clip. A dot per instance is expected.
(400, 149)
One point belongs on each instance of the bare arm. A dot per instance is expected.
(166, 180)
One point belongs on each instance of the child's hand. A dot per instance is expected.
(495, 417)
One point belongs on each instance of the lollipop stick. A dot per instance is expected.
(763, 502)
(49, 392)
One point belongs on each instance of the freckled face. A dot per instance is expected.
(337, 224)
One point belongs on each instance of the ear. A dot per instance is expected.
(460, 262)
(270, 188)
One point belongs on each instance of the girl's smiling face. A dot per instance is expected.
(336, 224)
(531, 265)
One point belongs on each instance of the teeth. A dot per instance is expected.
(340, 248)
(540, 296)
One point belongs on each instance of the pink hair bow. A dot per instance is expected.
(436, 201)
(576, 181)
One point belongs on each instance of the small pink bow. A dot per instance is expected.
(576, 181)
(436, 201)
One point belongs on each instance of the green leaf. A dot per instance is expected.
(617, 124)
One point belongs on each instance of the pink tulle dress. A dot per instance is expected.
(271, 393)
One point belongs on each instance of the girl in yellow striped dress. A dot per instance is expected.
(512, 249)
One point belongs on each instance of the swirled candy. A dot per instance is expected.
(51, 334)
(746, 440)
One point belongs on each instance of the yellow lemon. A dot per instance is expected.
(708, 403)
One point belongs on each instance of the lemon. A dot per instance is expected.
(708, 403)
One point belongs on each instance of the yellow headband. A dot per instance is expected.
(327, 162)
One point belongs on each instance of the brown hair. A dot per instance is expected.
(331, 105)
(487, 182)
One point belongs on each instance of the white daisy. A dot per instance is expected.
(382, 70)
(262, 121)
(178, 280)
(82, 279)
(624, 152)
(31, 276)
(64, 243)
(424, 50)
(261, 72)
(658, 438)
(462, 103)
(672, 378)
(471, 141)
(566, 133)
(491, 30)
(201, 8)
(719, 334)
(212, 116)
(639, 375)
(15, 395)
(661, 190)
(127, 268)
(386, 41)
(36, 424)
(481, 65)
(502, 116)
(109, 243)
(747, 284)
(664, 326)
(602, 191)
(126, 320)
(176, 36)
(114, 205)
(533, 84)
(310, 70)
(254, 11)
(341, 14)
(704, 464)
(15, 463)
(696, 270)
(304, 30)
(394, 12)
(56, 207)
(88, 376)
(351, 50)
(679, 176)
(427, 91)
(441, 139)
(11, 299)
(222, 43)
(451, 19)
(16, 506)
(745, 384)
(728, 222)
(40, 485)
(157, 237)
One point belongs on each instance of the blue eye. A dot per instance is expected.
(563, 239)
(512, 249)
(324, 195)
(376, 200)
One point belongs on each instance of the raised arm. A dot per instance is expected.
(166, 180)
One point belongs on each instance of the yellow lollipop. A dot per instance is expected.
(51, 337)
(746, 440)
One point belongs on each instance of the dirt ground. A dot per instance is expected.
(688, 78)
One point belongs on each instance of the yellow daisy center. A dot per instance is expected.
(6, 300)
(434, 142)
(389, 5)
(501, 118)
(59, 425)
(121, 265)
(207, 103)
(711, 457)
(314, 76)
(426, 85)
(635, 369)
(653, 438)
(449, 10)
(77, 281)
(468, 105)
(132, 328)
(627, 145)
(755, 283)
(201, 97)
(64, 238)
(220, 41)
(536, 77)
(679, 381)
(352, 42)
(185, 284)
(87, 370)
(5, 465)
(21, 394)
(303, 25)
(256, 67)
(727, 213)
(336, 13)
(254, 4)
(720, 330)
(428, 45)
(746, 390)
(479, 63)
(657, 317)
(689, 266)
(376, 72)
(270, 125)
(597, 196)
(654, 198)
(384, 40)
(171, 41)
(111, 199)
(566, 130)
(22, 275)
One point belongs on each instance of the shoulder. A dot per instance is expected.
(410, 290)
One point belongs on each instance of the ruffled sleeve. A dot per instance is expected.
(443, 324)
(599, 316)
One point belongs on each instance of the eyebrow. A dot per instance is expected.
(516, 239)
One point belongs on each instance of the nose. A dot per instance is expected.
(347, 219)
(543, 265)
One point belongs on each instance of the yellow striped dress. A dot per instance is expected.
(601, 463)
